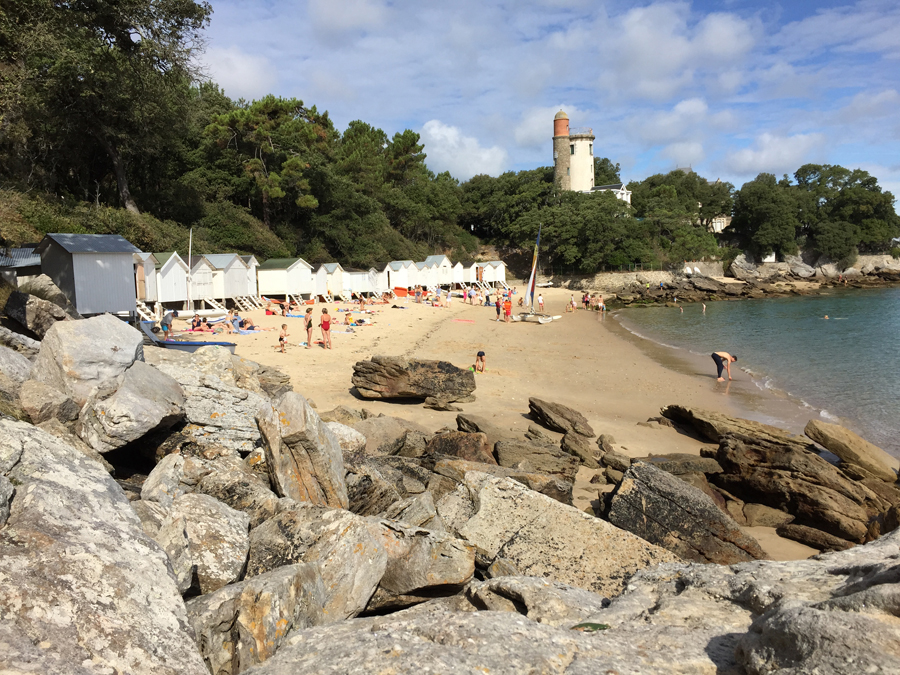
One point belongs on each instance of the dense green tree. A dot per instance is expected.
(700, 200)
(605, 172)
(765, 216)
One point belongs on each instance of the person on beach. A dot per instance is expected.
(309, 327)
(507, 309)
(282, 337)
(723, 362)
(479, 362)
(325, 325)
(541, 302)
(704, 307)
(497, 305)
(166, 323)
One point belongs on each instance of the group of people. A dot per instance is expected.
(588, 301)
(324, 325)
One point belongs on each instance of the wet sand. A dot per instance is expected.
(582, 360)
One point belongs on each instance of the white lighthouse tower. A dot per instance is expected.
(573, 155)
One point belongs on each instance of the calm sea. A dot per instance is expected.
(844, 369)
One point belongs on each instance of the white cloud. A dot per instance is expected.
(686, 153)
(342, 16)
(536, 126)
(871, 105)
(775, 154)
(462, 156)
(671, 124)
(241, 75)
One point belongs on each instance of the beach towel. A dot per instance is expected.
(247, 332)
(295, 316)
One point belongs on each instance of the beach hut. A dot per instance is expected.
(94, 271)
(378, 278)
(398, 273)
(330, 279)
(471, 273)
(285, 276)
(201, 280)
(252, 284)
(459, 274)
(171, 278)
(145, 277)
(426, 276)
(499, 268)
(229, 276)
(441, 269)
(356, 281)
(19, 264)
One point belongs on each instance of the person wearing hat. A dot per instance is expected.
(166, 323)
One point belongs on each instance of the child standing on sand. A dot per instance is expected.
(541, 302)
(282, 337)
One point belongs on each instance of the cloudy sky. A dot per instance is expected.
(732, 88)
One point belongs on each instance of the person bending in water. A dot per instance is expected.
(723, 362)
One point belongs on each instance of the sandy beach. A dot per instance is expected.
(583, 360)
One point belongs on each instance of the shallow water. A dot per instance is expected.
(846, 368)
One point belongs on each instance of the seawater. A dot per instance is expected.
(844, 369)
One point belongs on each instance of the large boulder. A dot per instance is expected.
(542, 537)
(14, 371)
(558, 417)
(350, 440)
(233, 483)
(714, 425)
(78, 357)
(244, 624)
(853, 449)
(42, 403)
(744, 269)
(43, 287)
(552, 486)
(352, 559)
(218, 538)
(146, 400)
(471, 447)
(33, 313)
(83, 589)
(479, 424)
(798, 482)
(303, 456)
(396, 377)
(660, 508)
(799, 268)
(385, 435)
(537, 458)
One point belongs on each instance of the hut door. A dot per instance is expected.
(141, 282)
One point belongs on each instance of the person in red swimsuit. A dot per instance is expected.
(325, 325)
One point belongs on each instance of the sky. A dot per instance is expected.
(731, 88)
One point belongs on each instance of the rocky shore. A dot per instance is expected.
(163, 512)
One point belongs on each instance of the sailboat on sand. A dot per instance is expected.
(531, 316)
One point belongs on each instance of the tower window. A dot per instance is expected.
(568, 171)
(572, 149)
(591, 149)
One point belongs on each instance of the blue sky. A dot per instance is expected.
(732, 88)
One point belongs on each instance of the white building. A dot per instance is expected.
(442, 269)
(398, 273)
(229, 275)
(94, 271)
(573, 155)
(618, 189)
(145, 277)
(330, 279)
(171, 278)
(285, 276)
(356, 281)
(201, 278)
(252, 283)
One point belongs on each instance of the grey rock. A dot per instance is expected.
(24, 345)
(41, 403)
(145, 401)
(219, 543)
(368, 491)
(558, 417)
(414, 444)
(233, 483)
(64, 433)
(7, 492)
(343, 415)
(812, 537)
(14, 370)
(190, 368)
(351, 558)
(303, 456)
(666, 511)
(82, 589)
(244, 624)
(682, 463)
(456, 508)
(43, 287)
(541, 600)
(577, 446)
(501, 567)
(396, 377)
(385, 435)
(552, 486)
(33, 313)
(473, 447)
(547, 459)
(350, 440)
(744, 269)
(152, 516)
(798, 267)
(163, 484)
(542, 537)
(480, 424)
(613, 475)
(853, 449)
(174, 539)
(78, 357)
(616, 460)
(273, 382)
(760, 515)
(418, 511)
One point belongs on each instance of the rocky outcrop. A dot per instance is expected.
(386, 435)
(853, 450)
(303, 456)
(798, 267)
(546, 484)
(217, 537)
(33, 313)
(798, 482)
(82, 588)
(744, 269)
(558, 417)
(41, 403)
(479, 424)
(351, 558)
(244, 624)
(395, 377)
(668, 512)
(578, 446)
(145, 400)
(26, 346)
(350, 440)
(14, 371)
(531, 531)
(535, 458)
(78, 357)
(43, 287)
(467, 446)
(233, 483)
(714, 425)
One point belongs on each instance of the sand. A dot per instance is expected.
(584, 360)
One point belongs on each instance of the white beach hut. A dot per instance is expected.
(356, 281)
(378, 278)
(499, 271)
(427, 276)
(201, 279)
(94, 271)
(229, 275)
(398, 273)
(459, 274)
(252, 284)
(441, 269)
(145, 277)
(286, 276)
(330, 279)
(171, 278)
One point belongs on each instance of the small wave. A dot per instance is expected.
(648, 339)
(828, 416)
